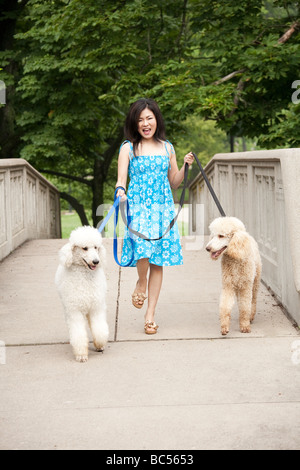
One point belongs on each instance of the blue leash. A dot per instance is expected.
(115, 209)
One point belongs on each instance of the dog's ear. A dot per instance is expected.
(239, 247)
(66, 255)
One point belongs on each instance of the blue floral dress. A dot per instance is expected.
(152, 209)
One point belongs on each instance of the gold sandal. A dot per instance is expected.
(138, 297)
(151, 328)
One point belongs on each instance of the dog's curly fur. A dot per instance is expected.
(241, 270)
(81, 283)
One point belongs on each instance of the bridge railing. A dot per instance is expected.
(29, 205)
(262, 188)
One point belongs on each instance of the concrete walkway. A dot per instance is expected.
(185, 388)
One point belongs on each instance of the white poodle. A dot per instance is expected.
(81, 283)
(241, 270)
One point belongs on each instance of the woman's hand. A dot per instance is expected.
(176, 176)
(122, 194)
(189, 159)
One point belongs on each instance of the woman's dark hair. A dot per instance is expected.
(131, 123)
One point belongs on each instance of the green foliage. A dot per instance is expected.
(242, 39)
(83, 64)
(74, 68)
(201, 137)
(284, 133)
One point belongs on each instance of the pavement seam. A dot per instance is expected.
(184, 405)
(156, 340)
(117, 306)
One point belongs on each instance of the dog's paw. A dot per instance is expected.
(225, 330)
(99, 346)
(81, 358)
(245, 329)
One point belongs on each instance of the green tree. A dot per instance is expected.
(203, 138)
(85, 63)
(240, 62)
(10, 13)
(249, 56)
(74, 68)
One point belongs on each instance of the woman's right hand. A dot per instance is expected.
(122, 194)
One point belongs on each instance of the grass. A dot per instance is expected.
(69, 221)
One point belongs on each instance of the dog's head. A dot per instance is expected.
(84, 249)
(224, 234)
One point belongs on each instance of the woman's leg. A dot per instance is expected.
(142, 269)
(154, 288)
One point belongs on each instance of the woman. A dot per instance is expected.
(153, 171)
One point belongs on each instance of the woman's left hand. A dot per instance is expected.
(189, 159)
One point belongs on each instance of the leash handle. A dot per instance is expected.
(118, 203)
(120, 187)
(115, 209)
(221, 210)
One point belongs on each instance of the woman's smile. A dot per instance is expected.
(147, 124)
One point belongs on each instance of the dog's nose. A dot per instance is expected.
(96, 261)
(208, 249)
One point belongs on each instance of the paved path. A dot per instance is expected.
(185, 388)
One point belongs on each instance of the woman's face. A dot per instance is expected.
(147, 124)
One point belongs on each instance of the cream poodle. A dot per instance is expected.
(81, 283)
(241, 270)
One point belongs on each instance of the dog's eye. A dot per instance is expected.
(221, 236)
(85, 248)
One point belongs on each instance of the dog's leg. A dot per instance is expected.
(78, 335)
(245, 303)
(226, 305)
(99, 328)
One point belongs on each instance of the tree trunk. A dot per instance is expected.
(101, 167)
(79, 208)
(231, 140)
(98, 188)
